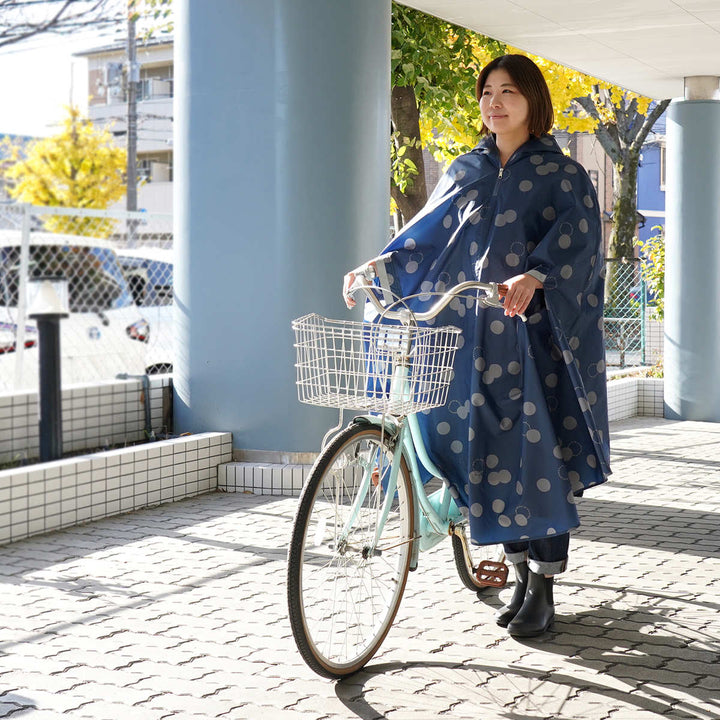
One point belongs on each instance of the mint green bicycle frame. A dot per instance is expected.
(435, 514)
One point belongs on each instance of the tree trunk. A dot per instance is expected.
(621, 246)
(622, 140)
(406, 121)
(622, 238)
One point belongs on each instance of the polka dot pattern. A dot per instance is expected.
(516, 436)
(505, 218)
(547, 168)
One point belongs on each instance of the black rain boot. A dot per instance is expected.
(538, 611)
(509, 611)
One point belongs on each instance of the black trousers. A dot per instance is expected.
(547, 556)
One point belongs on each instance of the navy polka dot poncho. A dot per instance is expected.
(525, 427)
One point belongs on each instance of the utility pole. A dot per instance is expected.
(133, 78)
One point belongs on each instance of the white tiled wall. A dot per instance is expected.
(651, 394)
(262, 478)
(622, 398)
(48, 496)
(632, 396)
(93, 416)
(627, 397)
(654, 339)
(43, 497)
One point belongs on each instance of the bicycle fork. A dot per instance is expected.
(434, 516)
(373, 482)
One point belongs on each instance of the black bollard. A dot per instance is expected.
(50, 398)
(47, 308)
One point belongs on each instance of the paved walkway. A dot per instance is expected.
(179, 612)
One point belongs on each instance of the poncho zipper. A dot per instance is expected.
(497, 182)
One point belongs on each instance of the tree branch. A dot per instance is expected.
(606, 135)
(650, 120)
(24, 19)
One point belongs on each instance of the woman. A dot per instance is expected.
(525, 428)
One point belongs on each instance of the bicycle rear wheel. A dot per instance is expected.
(469, 557)
(349, 553)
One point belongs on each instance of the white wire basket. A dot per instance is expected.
(373, 367)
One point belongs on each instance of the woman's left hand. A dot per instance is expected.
(520, 290)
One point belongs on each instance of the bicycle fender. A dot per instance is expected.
(377, 420)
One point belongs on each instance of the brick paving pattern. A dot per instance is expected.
(179, 612)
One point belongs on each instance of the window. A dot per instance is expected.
(155, 167)
(143, 170)
(155, 82)
(595, 180)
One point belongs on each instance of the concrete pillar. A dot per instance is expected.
(281, 176)
(692, 262)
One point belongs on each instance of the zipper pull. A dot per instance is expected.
(500, 173)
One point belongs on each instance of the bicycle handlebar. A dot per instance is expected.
(493, 293)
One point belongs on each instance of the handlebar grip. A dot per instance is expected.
(502, 290)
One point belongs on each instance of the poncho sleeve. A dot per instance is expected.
(411, 263)
(570, 252)
(570, 255)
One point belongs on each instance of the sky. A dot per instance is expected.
(40, 76)
(37, 82)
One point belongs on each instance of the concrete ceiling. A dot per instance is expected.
(648, 46)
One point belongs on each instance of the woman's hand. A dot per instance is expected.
(350, 279)
(520, 291)
(348, 282)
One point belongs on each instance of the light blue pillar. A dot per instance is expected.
(692, 275)
(281, 174)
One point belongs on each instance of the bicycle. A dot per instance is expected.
(364, 514)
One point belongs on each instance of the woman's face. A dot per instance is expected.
(504, 110)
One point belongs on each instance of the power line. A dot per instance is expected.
(59, 41)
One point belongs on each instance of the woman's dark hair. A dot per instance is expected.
(530, 82)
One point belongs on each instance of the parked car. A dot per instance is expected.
(149, 274)
(95, 341)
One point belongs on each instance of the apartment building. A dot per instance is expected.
(107, 107)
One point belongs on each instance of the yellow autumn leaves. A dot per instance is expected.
(80, 167)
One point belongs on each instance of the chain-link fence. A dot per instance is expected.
(120, 281)
(120, 274)
(626, 299)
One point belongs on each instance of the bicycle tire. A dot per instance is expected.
(467, 567)
(342, 596)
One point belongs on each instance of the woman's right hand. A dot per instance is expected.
(519, 291)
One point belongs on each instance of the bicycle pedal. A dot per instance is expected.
(492, 574)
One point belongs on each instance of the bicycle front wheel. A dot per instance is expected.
(350, 552)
